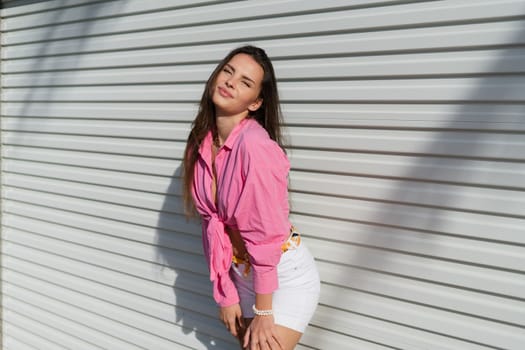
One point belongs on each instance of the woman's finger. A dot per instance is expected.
(274, 344)
(232, 327)
(240, 320)
(246, 338)
(263, 344)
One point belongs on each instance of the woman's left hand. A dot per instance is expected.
(262, 334)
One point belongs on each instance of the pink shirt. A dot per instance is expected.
(252, 195)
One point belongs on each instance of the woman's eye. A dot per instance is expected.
(227, 70)
(246, 84)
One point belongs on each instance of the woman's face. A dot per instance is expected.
(237, 86)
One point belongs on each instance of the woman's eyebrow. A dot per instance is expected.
(244, 76)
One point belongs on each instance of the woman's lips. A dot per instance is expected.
(224, 93)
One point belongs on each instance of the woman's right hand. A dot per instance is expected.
(231, 316)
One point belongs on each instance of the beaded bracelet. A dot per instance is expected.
(262, 312)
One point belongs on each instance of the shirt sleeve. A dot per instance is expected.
(261, 213)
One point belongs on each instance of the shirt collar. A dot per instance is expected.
(205, 147)
(234, 134)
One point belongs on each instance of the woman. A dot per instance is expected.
(235, 175)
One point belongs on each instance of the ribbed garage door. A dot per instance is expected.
(406, 122)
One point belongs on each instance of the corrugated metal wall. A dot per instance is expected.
(407, 121)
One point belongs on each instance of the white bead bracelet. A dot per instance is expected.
(262, 312)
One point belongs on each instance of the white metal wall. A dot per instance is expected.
(407, 121)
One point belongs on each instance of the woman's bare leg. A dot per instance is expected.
(289, 337)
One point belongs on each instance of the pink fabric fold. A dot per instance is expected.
(220, 249)
(220, 252)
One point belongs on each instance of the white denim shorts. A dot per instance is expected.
(296, 298)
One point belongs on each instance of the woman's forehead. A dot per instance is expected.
(246, 65)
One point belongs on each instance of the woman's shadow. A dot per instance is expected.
(179, 254)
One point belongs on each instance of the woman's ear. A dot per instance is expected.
(255, 105)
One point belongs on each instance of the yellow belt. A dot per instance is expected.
(293, 241)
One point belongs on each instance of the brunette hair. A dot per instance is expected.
(268, 115)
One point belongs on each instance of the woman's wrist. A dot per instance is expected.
(263, 301)
(258, 312)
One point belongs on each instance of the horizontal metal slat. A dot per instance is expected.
(355, 325)
(135, 199)
(504, 89)
(467, 250)
(494, 117)
(500, 89)
(55, 11)
(459, 171)
(459, 249)
(480, 279)
(177, 232)
(130, 164)
(445, 143)
(139, 182)
(183, 112)
(510, 60)
(142, 75)
(424, 116)
(149, 56)
(319, 337)
(424, 317)
(135, 7)
(361, 19)
(421, 292)
(75, 335)
(11, 343)
(130, 129)
(506, 202)
(455, 36)
(448, 143)
(122, 320)
(121, 146)
(185, 300)
(127, 93)
(427, 168)
(471, 61)
(410, 216)
(161, 289)
(118, 246)
(405, 65)
(17, 337)
(463, 224)
(130, 16)
(88, 325)
(138, 268)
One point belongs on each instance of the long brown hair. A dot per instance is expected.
(268, 115)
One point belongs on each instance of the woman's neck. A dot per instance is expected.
(225, 125)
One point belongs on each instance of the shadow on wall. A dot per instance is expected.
(180, 250)
(496, 98)
(42, 86)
